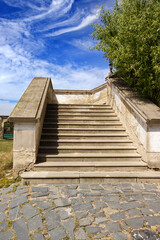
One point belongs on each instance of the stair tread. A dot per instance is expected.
(86, 134)
(98, 174)
(85, 141)
(79, 129)
(113, 163)
(72, 155)
(88, 147)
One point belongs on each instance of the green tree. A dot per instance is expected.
(129, 36)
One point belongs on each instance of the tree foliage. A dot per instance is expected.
(129, 36)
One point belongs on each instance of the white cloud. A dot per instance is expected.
(85, 22)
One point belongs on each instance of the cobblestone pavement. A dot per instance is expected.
(97, 211)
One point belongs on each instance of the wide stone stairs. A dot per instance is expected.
(85, 143)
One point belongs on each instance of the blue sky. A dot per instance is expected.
(48, 38)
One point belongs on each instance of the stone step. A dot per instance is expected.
(80, 120)
(80, 125)
(84, 130)
(89, 149)
(73, 111)
(60, 142)
(91, 166)
(78, 106)
(46, 177)
(79, 114)
(84, 136)
(87, 157)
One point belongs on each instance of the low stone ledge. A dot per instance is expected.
(149, 112)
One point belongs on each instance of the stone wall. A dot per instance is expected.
(140, 117)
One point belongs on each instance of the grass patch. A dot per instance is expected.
(6, 163)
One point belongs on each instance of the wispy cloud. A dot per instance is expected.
(85, 22)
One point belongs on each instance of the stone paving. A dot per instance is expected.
(117, 211)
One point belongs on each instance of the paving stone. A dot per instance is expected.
(150, 187)
(118, 216)
(64, 214)
(100, 204)
(96, 187)
(113, 227)
(38, 236)
(82, 207)
(57, 234)
(76, 200)
(154, 205)
(119, 236)
(153, 220)
(35, 223)
(3, 207)
(137, 197)
(93, 230)
(101, 235)
(92, 199)
(39, 194)
(3, 225)
(29, 211)
(52, 219)
(3, 217)
(134, 212)
(83, 186)
(62, 202)
(135, 223)
(100, 220)
(114, 205)
(111, 198)
(21, 230)
(7, 190)
(81, 235)
(144, 235)
(130, 205)
(69, 227)
(125, 226)
(86, 221)
(100, 214)
(17, 201)
(95, 210)
(54, 196)
(80, 215)
(92, 194)
(71, 186)
(150, 196)
(44, 205)
(14, 213)
(40, 189)
(21, 191)
(71, 192)
(6, 235)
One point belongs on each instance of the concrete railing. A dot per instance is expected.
(94, 96)
(140, 117)
(28, 116)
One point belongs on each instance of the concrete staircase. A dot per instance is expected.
(85, 143)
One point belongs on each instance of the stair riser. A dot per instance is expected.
(83, 144)
(85, 159)
(80, 121)
(93, 107)
(89, 169)
(81, 126)
(74, 114)
(92, 151)
(84, 137)
(75, 111)
(89, 180)
(79, 131)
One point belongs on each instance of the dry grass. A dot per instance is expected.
(6, 163)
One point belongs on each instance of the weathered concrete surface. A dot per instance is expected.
(28, 116)
(94, 96)
(106, 211)
(140, 117)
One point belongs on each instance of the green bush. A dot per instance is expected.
(129, 36)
